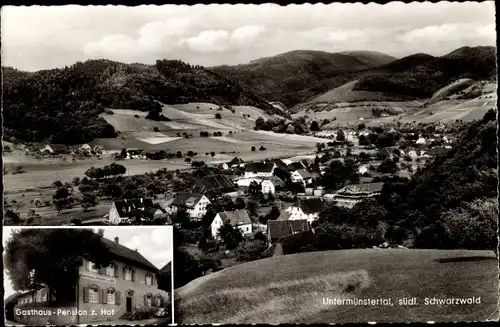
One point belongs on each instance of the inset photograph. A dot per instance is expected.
(74, 275)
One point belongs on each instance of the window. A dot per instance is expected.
(149, 280)
(110, 296)
(91, 267)
(43, 296)
(149, 300)
(128, 274)
(93, 295)
(110, 271)
(158, 301)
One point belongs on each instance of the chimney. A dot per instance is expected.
(117, 240)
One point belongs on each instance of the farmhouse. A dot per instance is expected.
(54, 148)
(86, 147)
(421, 140)
(236, 162)
(127, 211)
(308, 209)
(127, 284)
(279, 228)
(194, 203)
(290, 244)
(350, 195)
(259, 169)
(301, 176)
(237, 218)
(214, 183)
(298, 165)
(363, 169)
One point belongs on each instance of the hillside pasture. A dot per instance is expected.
(291, 288)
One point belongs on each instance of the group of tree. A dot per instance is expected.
(296, 126)
(113, 169)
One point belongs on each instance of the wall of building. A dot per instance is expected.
(120, 286)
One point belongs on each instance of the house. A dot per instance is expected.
(224, 166)
(236, 162)
(417, 153)
(54, 148)
(294, 166)
(237, 218)
(129, 282)
(421, 140)
(134, 153)
(86, 147)
(363, 169)
(267, 187)
(126, 211)
(290, 244)
(194, 203)
(219, 183)
(308, 209)
(301, 176)
(278, 162)
(259, 169)
(353, 194)
(279, 228)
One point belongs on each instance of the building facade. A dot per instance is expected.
(127, 284)
(237, 218)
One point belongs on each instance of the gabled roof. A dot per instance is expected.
(259, 167)
(278, 162)
(304, 173)
(235, 217)
(186, 199)
(275, 180)
(128, 255)
(295, 243)
(58, 147)
(363, 188)
(213, 182)
(235, 161)
(295, 166)
(280, 228)
(284, 215)
(311, 205)
(130, 207)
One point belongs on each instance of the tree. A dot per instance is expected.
(252, 207)
(255, 190)
(239, 203)
(76, 181)
(388, 166)
(250, 250)
(218, 116)
(12, 217)
(35, 257)
(212, 154)
(230, 236)
(314, 126)
(252, 148)
(60, 199)
(89, 200)
(340, 135)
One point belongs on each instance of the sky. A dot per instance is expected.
(37, 37)
(155, 243)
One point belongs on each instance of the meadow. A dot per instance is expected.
(291, 288)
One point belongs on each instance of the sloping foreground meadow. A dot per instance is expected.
(292, 288)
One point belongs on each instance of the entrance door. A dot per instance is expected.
(129, 304)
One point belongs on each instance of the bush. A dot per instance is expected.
(76, 221)
(218, 116)
(252, 148)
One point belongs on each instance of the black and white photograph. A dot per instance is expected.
(316, 163)
(75, 275)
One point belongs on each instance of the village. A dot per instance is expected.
(275, 197)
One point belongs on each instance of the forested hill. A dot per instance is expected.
(465, 173)
(62, 105)
(295, 76)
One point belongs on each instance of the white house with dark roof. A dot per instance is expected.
(54, 148)
(237, 218)
(259, 169)
(308, 209)
(127, 210)
(353, 194)
(301, 176)
(194, 203)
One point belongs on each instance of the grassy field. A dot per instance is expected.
(291, 289)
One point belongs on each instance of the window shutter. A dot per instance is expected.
(162, 303)
(102, 271)
(104, 296)
(133, 274)
(145, 299)
(85, 295)
(116, 271)
(101, 297)
(117, 297)
(87, 266)
(124, 276)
